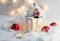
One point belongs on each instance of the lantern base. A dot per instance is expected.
(36, 16)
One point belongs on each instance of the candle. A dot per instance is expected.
(34, 25)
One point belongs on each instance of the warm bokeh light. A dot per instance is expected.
(19, 10)
(30, 1)
(12, 12)
(14, 1)
(3, 1)
(23, 7)
(45, 7)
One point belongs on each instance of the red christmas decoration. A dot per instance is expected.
(36, 13)
(53, 24)
(15, 27)
(45, 29)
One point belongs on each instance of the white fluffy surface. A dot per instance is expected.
(6, 35)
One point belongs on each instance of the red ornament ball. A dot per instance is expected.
(45, 28)
(53, 24)
(36, 13)
(15, 27)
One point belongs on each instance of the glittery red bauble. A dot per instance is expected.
(45, 28)
(53, 24)
(15, 27)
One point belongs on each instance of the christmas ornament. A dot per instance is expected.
(53, 24)
(36, 13)
(15, 27)
(45, 28)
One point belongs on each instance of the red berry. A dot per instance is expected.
(45, 28)
(15, 27)
(53, 24)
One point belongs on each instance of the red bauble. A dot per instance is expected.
(53, 24)
(36, 13)
(45, 28)
(15, 27)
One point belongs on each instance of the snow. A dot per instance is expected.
(7, 35)
(52, 35)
